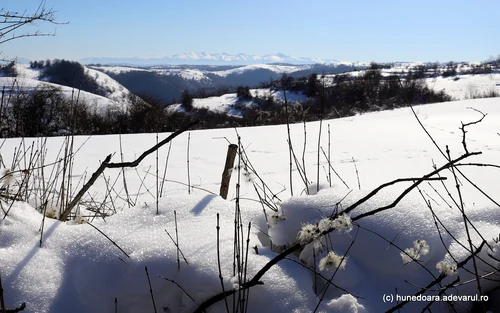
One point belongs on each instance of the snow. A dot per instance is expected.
(378, 258)
(118, 92)
(220, 104)
(466, 86)
(275, 68)
(188, 73)
(25, 71)
(227, 103)
(278, 95)
(28, 79)
(97, 271)
(78, 270)
(197, 74)
(118, 69)
(95, 102)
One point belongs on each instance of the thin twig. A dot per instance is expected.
(165, 169)
(464, 132)
(2, 300)
(245, 297)
(106, 236)
(188, 174)
(330, 167)
(357, 174)
(304, 157)
(320, 128)
(177, 240)
(180, 287)
(218, 263)
(178, 249)
(150, 289)
(464, 216)
(284, 83)
(157, 185)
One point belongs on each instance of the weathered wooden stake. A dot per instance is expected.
(228, 168)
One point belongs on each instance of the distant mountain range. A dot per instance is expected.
(203, 58)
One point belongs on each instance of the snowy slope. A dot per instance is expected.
(459, 87)
(78, 270)
(466, 86)
(227, 103)
(186, 73)
(118, 91)
(275, 68)
(96, 103)
(118, 69)
(29, 79)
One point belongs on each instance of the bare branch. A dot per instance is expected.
(415, 184)
(253, 282)
(10, 22)
(105, 164)
(462, 128)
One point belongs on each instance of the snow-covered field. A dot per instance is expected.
(466, 86)
(78, 270)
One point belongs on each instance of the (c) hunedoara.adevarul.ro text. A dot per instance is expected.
(389, 298)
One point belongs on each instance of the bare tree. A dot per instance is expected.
(11, 22)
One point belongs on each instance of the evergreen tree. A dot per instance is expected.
(187, 101)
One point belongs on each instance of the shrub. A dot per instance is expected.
(243, 93)
(476, 94)
(9, 70)
(41, 112)
(187, 101)
(312, 88)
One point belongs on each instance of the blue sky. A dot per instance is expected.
(349, 30)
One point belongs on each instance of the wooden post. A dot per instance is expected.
(228, 169)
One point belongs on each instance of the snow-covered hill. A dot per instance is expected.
(29, 79)
(168, 82)
(204, 72)
(280, 69)
(460, 86)
(230, 104)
